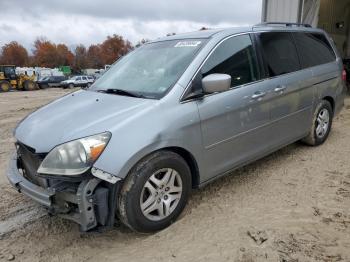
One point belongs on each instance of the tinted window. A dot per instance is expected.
(234, 57)
(78, 79)
(280, 53)
(314, 49)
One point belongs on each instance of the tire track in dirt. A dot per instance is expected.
(290, 206)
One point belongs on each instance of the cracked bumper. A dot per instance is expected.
(37, 193)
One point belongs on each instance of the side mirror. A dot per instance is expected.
(216, 83)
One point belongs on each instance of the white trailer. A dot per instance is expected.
(331, 15)
(40, 72)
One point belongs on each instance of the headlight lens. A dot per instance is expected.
(75, 157)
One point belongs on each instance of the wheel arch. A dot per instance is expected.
(331, 101)
(190, 160)
(184, 153)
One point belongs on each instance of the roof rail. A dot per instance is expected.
(282, 24)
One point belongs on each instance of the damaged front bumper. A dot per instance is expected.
(90, 202)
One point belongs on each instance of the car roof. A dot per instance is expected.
(287, 28)
(224, 32)
(208, 33)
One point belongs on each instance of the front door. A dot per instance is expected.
(234, 123)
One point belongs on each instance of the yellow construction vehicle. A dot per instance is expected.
(10, 80)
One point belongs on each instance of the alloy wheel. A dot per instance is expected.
(322, 123)
(161, 194)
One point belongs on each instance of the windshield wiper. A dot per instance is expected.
(121, 92)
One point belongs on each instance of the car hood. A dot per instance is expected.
(80, 114)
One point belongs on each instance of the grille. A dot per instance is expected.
(30, 162)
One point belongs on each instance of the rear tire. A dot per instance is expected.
(155, 192)
(29, 85)
(5, 86)
(321, 124)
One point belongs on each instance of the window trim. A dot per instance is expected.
(316, 33)
(264, 65)
(188, 86)
(260, 60)
(259, 56)
(267, 75)
(298, 53)
(258, 49)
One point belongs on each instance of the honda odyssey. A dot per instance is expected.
(175, 114)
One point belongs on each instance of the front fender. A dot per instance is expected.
(122, 163)
(166, 125)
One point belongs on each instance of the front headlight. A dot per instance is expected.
(75, 157)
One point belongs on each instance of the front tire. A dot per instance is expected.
(5, 86)
(155, 192)
(321, 124)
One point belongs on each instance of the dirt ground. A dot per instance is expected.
(290, 206)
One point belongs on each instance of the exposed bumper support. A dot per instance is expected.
(88, 204)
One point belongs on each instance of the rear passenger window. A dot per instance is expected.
(280, 53)
(314, 49)
(235, 57)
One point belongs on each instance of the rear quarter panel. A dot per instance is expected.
(328, 83)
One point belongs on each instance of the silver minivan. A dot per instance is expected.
(175, 114)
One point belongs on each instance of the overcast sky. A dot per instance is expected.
(90, 21)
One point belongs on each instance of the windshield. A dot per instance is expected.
(9, 71)
(45, 78)
(150, 70)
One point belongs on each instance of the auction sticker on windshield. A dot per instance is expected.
(188, 44)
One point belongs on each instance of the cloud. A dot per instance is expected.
(78, 21)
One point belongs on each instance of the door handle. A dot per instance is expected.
(280, 88)
(258, 95)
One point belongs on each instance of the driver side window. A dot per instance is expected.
(235, 57)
